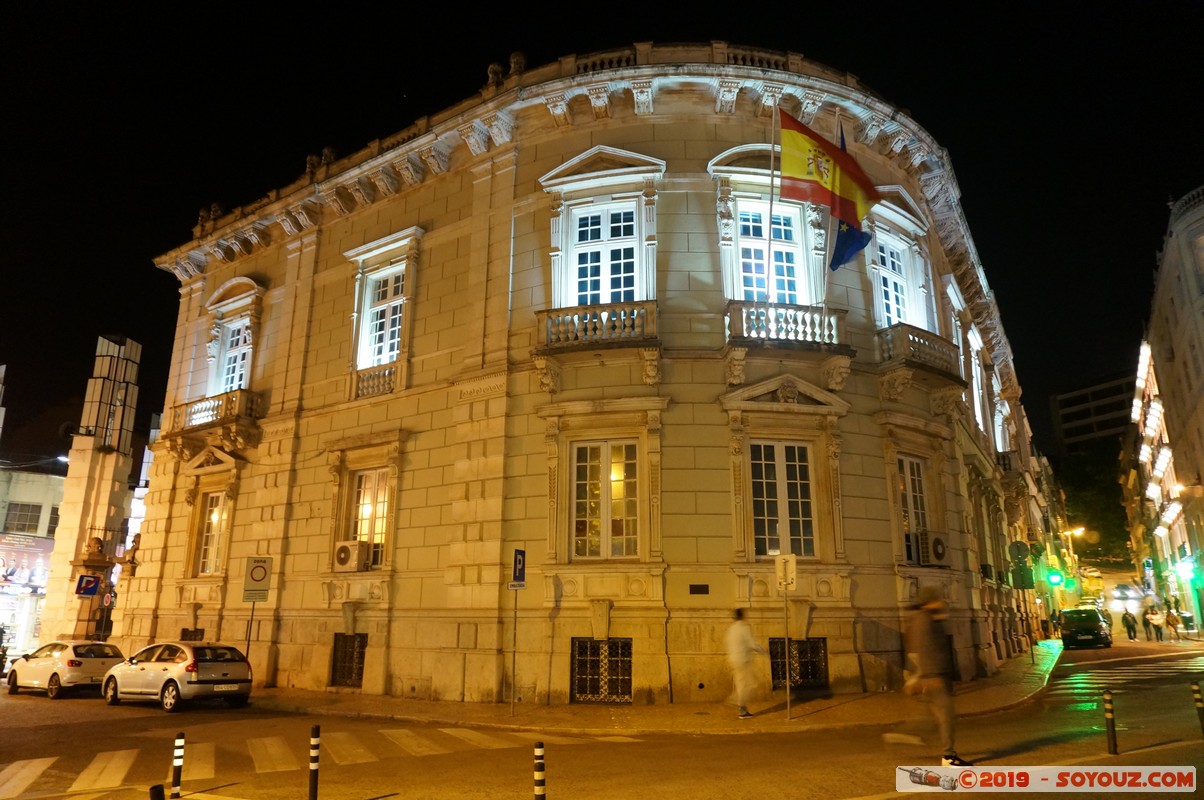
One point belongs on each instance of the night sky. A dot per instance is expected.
(1068, 133)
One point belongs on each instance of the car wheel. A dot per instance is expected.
(237, 702)
(12, 681)
(54, 688)
(110, 692)
(169, 698)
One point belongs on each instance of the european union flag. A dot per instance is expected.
(849, 242)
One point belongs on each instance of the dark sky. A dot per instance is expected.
(1069, 132)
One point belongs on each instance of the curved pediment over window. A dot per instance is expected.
(602, 166)
(787, 393)
(233, 293)
(898, 208)
(749, 163)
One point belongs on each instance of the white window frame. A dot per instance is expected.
(214, 512)
(784, 275)
(900, 269)
(234, 312)
(913, 507)
(773, 508)
(605, 237)
(390, 263)
(623, 421)
(352, 461)
(603, 180)
(605, 518)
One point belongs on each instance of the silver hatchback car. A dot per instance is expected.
(175, 672)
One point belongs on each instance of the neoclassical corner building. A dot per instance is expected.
(569, 317)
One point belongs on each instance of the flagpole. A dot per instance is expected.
(775, 136)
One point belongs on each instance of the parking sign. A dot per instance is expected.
(518, 576)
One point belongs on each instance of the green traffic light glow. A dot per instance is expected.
(1054, 578)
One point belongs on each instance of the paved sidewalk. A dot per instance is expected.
(1017, 681)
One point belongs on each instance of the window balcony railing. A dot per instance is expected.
(1009, 461)
(230, 407)
(919, 346)
(589, 326)
(781, 322)
(375, 381)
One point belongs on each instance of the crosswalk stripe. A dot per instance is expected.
(199, 760)
(16, 777)
(478, 739)
(546, 738)
(412, 743)
(271, 754)
(107, 770)
(344, 748)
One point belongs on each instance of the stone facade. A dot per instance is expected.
(540, 320)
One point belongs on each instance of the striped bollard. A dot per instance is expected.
(157, 793)
(315, 744)
(1110, 721)
(539, 781)
(538, 752)
(177, 765)
(1195, 696)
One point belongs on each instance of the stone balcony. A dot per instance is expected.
(912, 347)
(750, 322)
(230, 419)
(590, 327)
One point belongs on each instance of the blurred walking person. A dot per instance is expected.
(742, 650)
(930, 648)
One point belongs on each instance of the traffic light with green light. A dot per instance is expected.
(1054, 577)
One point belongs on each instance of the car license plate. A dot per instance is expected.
(1084, 636)
(225, 687)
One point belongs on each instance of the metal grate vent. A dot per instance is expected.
(808, 663)
(347, 661)
(601, 671)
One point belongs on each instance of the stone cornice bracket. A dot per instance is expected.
(651, 357)
(259, 234)
(558, 106)
(549, 373)
(810, 105)
(734, 366)
(475, 135)
(500, 126)
(385, 180)
(599, 100)
(894, 383)
(188, 267)
(897, 141)
(363, 191)
(222, 251)
(337, 197)
(917, 153)
(835, 371)
(771, 96)
(869, 128)
(435, 156)
(410, 169)
(242, 244)
(725, 95)
(642, 91)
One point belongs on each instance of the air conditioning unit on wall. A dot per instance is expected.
(352, 556)
(934, 549)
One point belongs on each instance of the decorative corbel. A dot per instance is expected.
(835, 369)
(410, 170)
(642, 92)
(771, 96)
(549, 374)
(385, 180)
(501, 128)
(945, 401)
(558, 105)
(894, 383)
(599, 100)
(475, 135)
(734, 365)
(435, 157)
(725, 96)
(811, 102)
(652, 365)
(363, 191)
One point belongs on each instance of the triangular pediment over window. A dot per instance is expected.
(787, 393)
(210, 460)
(602, 166)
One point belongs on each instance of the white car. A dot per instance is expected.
(174, 672)
(59, 666)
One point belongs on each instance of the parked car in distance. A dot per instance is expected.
(57, 667)
(1083, 627)
(172, 673)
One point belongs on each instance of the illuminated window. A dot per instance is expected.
(212, 531)
(782, 514)
(381, 342)
(236, 355)
(902, 280)
(770, 254)
(370, 510)
(606, 498)
(383, 322)
(892, 285)
(605, 255)
(913, 511)
(22, 518)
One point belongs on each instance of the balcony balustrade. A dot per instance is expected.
(375, 381)
(585, 327)
(781, 322)
(919, 347)
(239, 405)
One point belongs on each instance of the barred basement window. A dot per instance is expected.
(347, 660)
(601, 671)
(808, 663)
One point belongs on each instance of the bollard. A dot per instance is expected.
(315, 744)
(177, 766)
(1195, 696)
(1110, 719)
(539, 781)
(538, 752)
(156, 792)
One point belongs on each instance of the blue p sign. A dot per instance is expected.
(520, 566)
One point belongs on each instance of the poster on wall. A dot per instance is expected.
(24, 563)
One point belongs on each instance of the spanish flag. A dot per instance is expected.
(816, 171)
